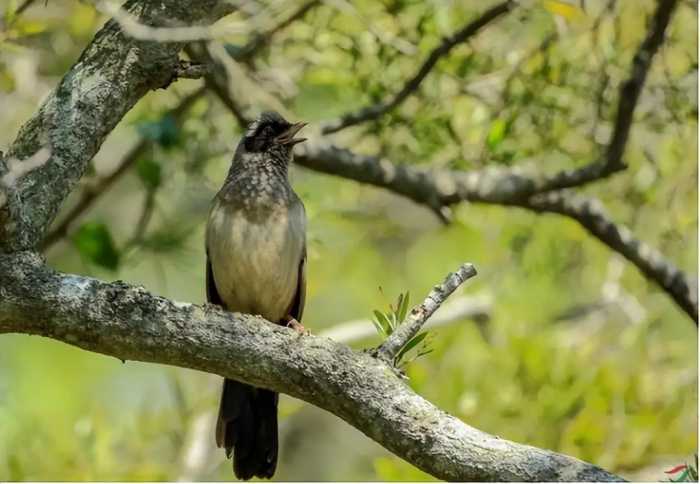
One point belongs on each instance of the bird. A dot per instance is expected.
(256, 264)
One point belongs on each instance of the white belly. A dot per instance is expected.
(256, 263)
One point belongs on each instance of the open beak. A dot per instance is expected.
(287, 138)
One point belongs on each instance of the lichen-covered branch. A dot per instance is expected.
(376, 110)
(129, 323)
(420, 314)
(112, 74)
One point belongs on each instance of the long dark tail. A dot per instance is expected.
(247, 427)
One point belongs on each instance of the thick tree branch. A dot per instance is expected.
(436, 188)
(130, 324)
(376, 110)
(112, 74)
(421, 313)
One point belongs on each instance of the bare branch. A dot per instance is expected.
(130, 324)
(436, 188)
(260, 40)
(376, 110)
(421, 313)
(591, 215)
(627, 103)
(191, 70)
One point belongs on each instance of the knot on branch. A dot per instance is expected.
(187, 70)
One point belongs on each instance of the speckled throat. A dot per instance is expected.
(258, 183)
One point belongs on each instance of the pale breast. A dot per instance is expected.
(256, 262)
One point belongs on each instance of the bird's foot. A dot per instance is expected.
(296, 325)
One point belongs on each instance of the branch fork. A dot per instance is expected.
(420, 314)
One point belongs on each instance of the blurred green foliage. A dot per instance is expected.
(581, 353)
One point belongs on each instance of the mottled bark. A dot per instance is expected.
(130, 324)
(110, 76)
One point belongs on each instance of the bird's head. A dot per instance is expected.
(270, 132)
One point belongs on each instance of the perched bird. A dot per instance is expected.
(256, 257)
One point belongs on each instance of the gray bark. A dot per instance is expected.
(110, 76)
(130, 324)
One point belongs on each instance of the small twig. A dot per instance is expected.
(376, 110)
(24, 6)
(420, 314)
(217, 78)
(476, 307)
(149, 205)
(191, 70)
(187, 70)
(250, 49)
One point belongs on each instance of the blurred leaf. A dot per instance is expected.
(164, 132)
(9, 12)
(149, 172)
(383, 322)
(94, 241)
(410, 345)
(496, 133)
(167, 239)
(563, 9)
(403, 306)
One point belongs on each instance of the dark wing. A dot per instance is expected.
(296, 309)
(212, 294)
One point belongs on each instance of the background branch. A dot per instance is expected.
(630, 91)
(376, 110)
(502, 187)
(591, 215)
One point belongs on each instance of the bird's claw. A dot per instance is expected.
(296, 326)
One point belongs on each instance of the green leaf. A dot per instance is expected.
(403, 306)
(378, 327)
(383, 321)
(10, 9)
(496, 134)
(149, 172)
(410, 345)
(683, 477)
(94, 241)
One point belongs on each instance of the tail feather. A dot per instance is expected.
(247, 428)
